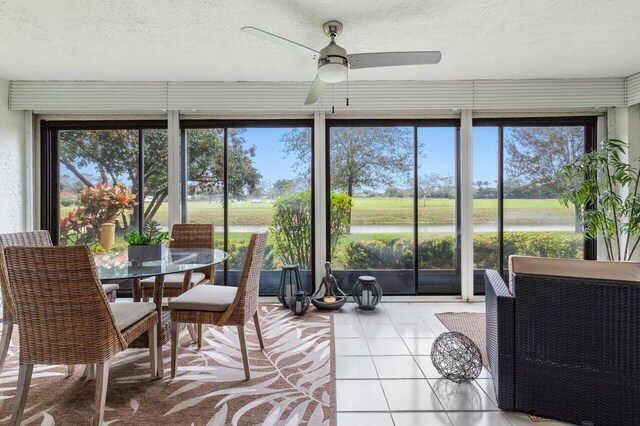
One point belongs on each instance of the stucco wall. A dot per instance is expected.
(12, 165)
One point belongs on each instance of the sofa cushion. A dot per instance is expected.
(128, 313)
(574, 268)
(209, 298)
(173, 280)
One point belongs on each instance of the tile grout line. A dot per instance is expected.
(366, 339)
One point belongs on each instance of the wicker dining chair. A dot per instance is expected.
(171, 285)
(220, 305)
(64, 317)
(184, 235)
(21, 239)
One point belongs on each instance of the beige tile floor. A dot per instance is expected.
(385, 376)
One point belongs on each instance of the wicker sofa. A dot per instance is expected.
(563, 339)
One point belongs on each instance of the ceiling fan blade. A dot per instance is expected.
(283, 42)
(315, 92)
(392, 59)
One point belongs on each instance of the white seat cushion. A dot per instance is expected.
(173, 280)
(209, 298)
(128, 313)
(108, 288)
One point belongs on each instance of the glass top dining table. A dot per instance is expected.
(116, 265)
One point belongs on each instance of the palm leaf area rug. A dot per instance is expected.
(292, 380)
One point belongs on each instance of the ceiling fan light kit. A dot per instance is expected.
(333, 66)
(334, 62)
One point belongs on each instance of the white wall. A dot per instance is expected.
(12, 165)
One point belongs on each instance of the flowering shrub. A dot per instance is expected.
(98, 204)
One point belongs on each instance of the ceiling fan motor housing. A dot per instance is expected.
(333, 66)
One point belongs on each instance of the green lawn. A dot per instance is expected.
(388, 211)
(396, 211)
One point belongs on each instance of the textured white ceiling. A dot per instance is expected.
(201, 39)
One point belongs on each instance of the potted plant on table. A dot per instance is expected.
(148, 245)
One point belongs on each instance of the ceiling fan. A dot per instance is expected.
(334, 62)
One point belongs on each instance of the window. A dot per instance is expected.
(393, 204)
(516, 190)
(393, 192)
(486, 180)
(249, 176)
(108, 172)
(438, 210)
(99, 172)
(205, 180)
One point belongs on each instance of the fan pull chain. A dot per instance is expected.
(347, 88)
(333, 99)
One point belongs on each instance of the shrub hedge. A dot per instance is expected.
(440, 252)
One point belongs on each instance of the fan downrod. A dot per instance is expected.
(332, 28)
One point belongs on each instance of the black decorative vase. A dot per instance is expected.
(367, 293)
(299, 303)
(290, 282)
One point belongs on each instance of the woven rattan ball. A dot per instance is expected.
(456, 357)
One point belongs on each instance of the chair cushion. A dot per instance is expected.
(173, 280)
(574, 268)
(209, 298)
(128, 313)
(108, 288)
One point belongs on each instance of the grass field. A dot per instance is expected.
(390, 211)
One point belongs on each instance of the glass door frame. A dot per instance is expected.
(50, 163)
(415, 124)
(242, 123)
(590, 124)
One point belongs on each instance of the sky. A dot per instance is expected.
(437, 153)
(436, 156)
(271, 160)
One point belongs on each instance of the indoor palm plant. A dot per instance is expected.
(604, 184)
(148, 245)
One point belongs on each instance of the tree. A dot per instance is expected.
(483, 190)
(70, 184)
(535, 156)
(340, 214)
(113, 156)
(291, 226)
(436, 185)
(291, 229)
(284, 187)
(206, 166)
(361, 157)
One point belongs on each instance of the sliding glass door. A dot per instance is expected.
(99, 172)
(393, 197)
(517, 190)
(393, 190)
(246, 177)
(438, 210)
